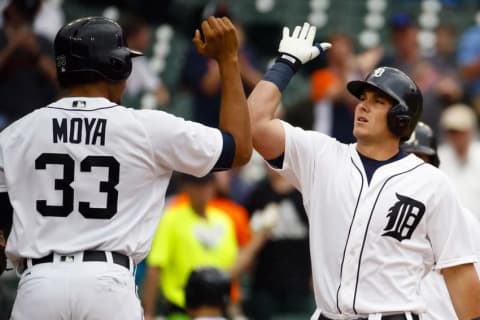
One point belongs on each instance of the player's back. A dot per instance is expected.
(81, 175)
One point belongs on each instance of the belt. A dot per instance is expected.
(401, 316)
(88, 256)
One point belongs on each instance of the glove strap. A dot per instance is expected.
(290, 60)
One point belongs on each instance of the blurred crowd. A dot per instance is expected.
(249, 222)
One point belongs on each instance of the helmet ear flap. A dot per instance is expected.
(398, 120)
(117, 65)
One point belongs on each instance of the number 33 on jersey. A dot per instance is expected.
(97, 166)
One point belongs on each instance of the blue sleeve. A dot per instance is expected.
(225, 160)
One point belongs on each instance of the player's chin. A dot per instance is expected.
(359, 130)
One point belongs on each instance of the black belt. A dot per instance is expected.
(401, 316)
(89, 255)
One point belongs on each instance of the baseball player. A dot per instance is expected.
(423, 144)
(86, 177)
(207, 294)
(379, 219)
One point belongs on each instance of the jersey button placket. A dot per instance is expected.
(352, 256)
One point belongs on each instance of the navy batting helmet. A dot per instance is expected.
(422, 141)
(408, 101)
(207, 286)
(91, 49)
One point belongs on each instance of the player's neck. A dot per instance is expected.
(97, 89)
(377, 151)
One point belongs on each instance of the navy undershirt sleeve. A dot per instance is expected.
(277, 162)
(225, 160)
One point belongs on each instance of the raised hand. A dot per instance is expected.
(219, 41)
(299, 47)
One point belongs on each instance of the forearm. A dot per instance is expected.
(263, 102)
(464, 288)
(234, 117)
(247, 254)
(150, 288)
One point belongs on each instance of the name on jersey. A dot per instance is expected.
(79, 130)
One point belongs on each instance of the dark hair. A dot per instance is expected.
(207, 286)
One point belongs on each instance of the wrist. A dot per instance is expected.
(227, 59)
(280, 74)
(289, 60)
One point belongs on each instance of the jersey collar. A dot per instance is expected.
(401, 165)
(82, 103)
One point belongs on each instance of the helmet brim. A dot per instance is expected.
(417, 149)
(135, 53)
(358, 87)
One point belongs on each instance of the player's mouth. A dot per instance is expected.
(362, 119)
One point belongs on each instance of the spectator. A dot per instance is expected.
(281, 275)
(404, 41)
(445, 47)
(460, 152)
(468, 57)
(143, 79)
(27, 70)
(190, 234)
(440, 87)
(248, 243)
(201, 77)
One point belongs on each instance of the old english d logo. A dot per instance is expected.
(403, 217)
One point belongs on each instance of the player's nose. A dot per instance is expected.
(363, 105)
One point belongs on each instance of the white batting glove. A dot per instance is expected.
(299, 48)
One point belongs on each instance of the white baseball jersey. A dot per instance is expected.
(85, 173)
(371, 243)
(434, 289)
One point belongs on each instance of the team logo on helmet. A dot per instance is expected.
(61, 62)
(378, 72)
(403, 217)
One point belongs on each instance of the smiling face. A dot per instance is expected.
(370, 123)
